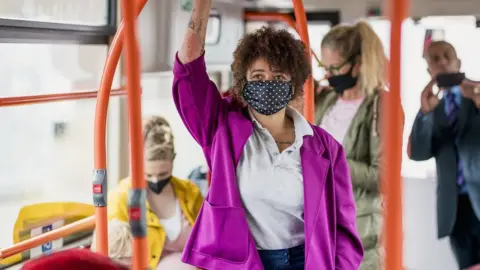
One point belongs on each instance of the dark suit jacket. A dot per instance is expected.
(431, 136)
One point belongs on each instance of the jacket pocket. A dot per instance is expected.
(222, 233)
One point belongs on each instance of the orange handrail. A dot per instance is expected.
(137, 209)
(393, 141)
(78, 226)
(100, 126)
(302, 29)
(47, 98)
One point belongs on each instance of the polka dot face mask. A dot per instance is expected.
(267, 97)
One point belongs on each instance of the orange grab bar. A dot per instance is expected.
(100, 126)
(81, 225)
(37, 99)
(137, 209)
(302, 29)
(393, 233)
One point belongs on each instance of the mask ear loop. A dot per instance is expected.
(319, 63)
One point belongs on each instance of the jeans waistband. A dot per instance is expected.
(292, 257)
(293, 250)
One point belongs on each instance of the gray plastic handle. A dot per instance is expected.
(99, 188)
(137, 211)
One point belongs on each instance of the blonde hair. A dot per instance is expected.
(119, 240)
(360, 40)
(158, 139)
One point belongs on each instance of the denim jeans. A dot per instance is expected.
(283, 259)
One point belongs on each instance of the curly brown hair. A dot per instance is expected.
(281, 50)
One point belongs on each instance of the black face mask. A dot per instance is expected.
(267, 97)
(340, 83)
(158, 186)
(447, 80)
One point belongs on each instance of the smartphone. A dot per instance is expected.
(450, 79)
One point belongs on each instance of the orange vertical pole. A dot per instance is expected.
(393, 142)
(99, 141)
(302, 28)
(137, 209)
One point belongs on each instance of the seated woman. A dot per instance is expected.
(280, 195)
(172, 204)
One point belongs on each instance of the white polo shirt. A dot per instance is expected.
(271, 186)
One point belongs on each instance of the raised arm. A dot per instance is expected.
(196, 97)
(420, 141)
(349, 249)
(193, 45)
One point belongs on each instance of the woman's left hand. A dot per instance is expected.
(471, 90)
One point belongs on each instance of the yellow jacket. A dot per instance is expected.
(190, 200)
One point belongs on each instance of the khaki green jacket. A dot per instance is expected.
(363, 150)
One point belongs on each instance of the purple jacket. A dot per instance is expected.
(220, 238)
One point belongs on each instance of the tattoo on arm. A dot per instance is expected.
(202, 51)
(191, 24)
(199, 28)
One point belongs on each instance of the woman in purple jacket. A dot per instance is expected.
(280, 195)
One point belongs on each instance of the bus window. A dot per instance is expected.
(415, 68)
(47, 149)
(64, 11)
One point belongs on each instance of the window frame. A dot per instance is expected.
(216, 15)
(25, 31)
(332, 17)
